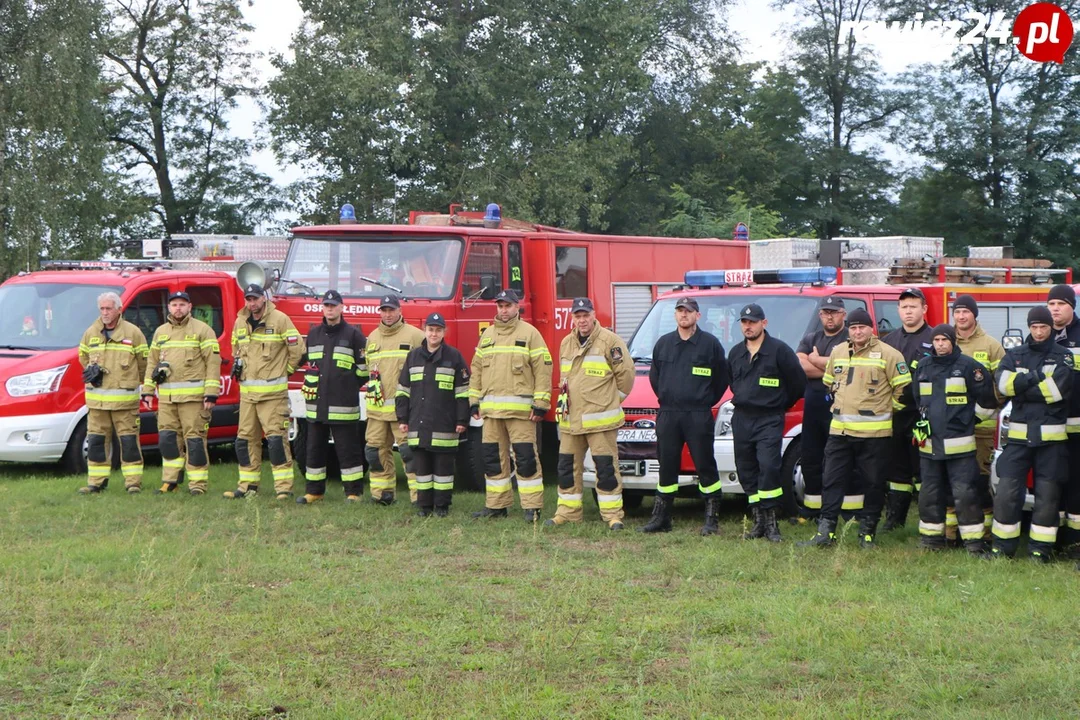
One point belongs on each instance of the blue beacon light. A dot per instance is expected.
(348, 214)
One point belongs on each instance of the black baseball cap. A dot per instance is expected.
(179, 295)
(688, 303)
(832, 302)
(435, 319)
(253, 290)
(753, 312)
(390, 301)
(507, 295)
(331, 297)
(912, 292)
(582, 304)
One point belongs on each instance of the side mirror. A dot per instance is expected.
(1012, 338)
(488, 287)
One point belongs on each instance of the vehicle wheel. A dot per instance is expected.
(470, 462)
(298, 445)
(73, 461)
(791, 473)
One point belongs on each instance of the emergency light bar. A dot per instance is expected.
(794, 276)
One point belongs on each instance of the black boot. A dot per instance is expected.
(976, 548)
(934, 543)
(896, 510)
(661, 515)
(712, 515)
(757, 530)
(824, 537)
(532, 516)
(772, 530)
(490, 513)
(867, 531)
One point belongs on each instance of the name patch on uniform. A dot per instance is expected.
(162, 338)
(875, 356)
(594, 372)
(769, 382)
(268, 331)
(446, 385)
(956, 400)
(520, 343)
(191, 337)
(981, 356)
(703, 372)
(95, 341)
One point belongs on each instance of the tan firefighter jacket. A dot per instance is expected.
(121, 357)
(387, 348)
(270, 351)
(594, 380)
(866, 386)
(191, 350)
(511, 371)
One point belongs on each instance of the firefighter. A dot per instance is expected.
(952, 392)
(766, 380)
(866, 378)
(1037, 377)
(113, 354)
(596, 375)
(689, 376)
(1062, 305)
(331, 390)
(975, 343)
(813, 353)
(266, 349)
(511, 390)
(387, 349)
(913, 341)
(432, 405)
(185, 367)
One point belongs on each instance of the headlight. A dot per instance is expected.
(38, 383)
(723, 419)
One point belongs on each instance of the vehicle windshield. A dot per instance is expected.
(421, 268)
(790, 317)
(47, 316)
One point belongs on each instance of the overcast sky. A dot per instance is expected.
(761, 28)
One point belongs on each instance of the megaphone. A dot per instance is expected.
(254, 272)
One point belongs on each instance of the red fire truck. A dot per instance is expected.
(455, 263)
(790, 300)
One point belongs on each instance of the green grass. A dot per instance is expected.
(123, 607)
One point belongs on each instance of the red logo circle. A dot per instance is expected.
(1043, 32)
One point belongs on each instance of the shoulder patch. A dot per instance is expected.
(487, 341)
(901, 367)
(978, 375)
(616, 355)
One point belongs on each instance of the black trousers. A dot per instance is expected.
(1071, 532)
(349, 448)
(1049, 466)
(864, 460)
(947, 481)
(757, 456)
(815, 433)
(434, 478)
(904, 468)
(695, 429)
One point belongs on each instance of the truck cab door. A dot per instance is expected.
(483, 277)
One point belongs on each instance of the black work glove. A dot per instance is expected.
(212, 399)
(161, 373)
(474, 410)
(93, 375)
(237, 367)
(538, 412)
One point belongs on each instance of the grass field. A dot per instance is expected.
(124, 607)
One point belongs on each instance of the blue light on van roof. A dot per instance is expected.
(348, 214)
(795, 276)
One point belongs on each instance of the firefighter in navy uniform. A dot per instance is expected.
(766, 380)
(1037, 377)
(867, 379)
(813, 353)
(913, 341)
(432, 405)
(689, 376)
(952, 392)
(975, 343)
(1062, 305)
(331, 390)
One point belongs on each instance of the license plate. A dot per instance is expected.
(630, 467)
(637, 435)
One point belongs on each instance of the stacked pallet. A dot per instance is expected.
(965, 270)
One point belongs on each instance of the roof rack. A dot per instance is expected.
(119, 265)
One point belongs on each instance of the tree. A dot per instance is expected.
(177, 68)
(55, 189)
(693, 218)
(414, 104)
(849, 105)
